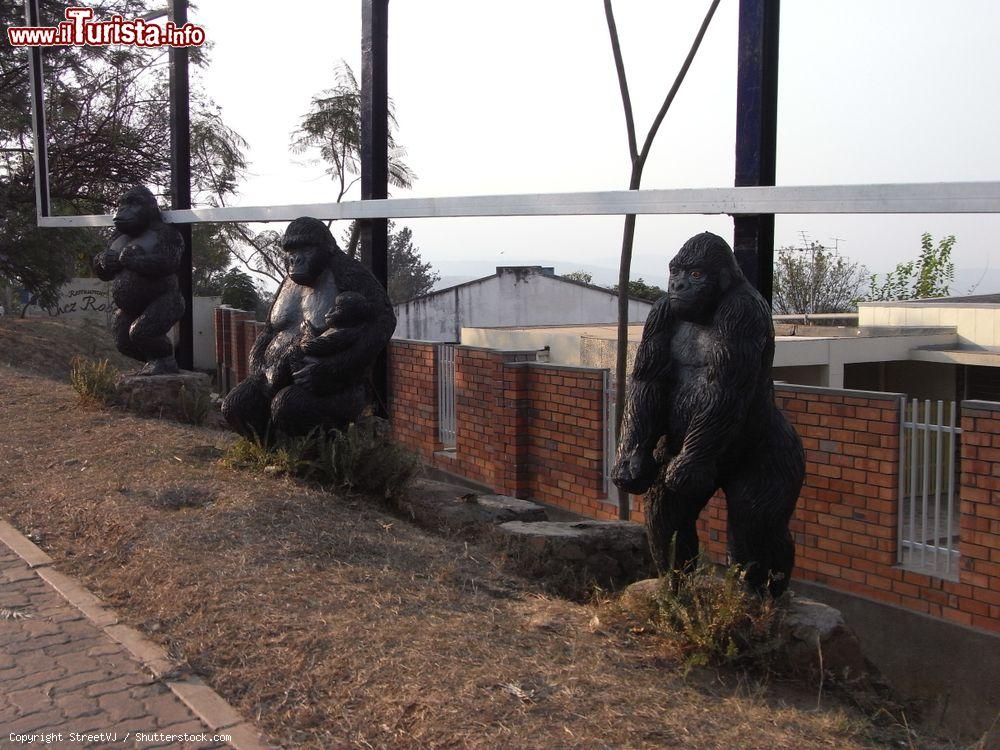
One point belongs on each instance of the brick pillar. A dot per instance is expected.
(237, 342)
(978, 596)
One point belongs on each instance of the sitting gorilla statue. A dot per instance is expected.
(142, 262)
(298, 381)
(700, 415)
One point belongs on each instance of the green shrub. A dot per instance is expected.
(362, 458)
(715, 619)
(93, 380)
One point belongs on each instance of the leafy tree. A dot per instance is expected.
(583, 276)
(239, 290)
(815, 279)
(639, 288)
(106, 111)
(928, 276)
(333, 127)
(409, 276)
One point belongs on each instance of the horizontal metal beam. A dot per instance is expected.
(911, 198)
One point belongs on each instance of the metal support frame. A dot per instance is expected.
(374, 235)
(180, 179)
(32, 17)
(756, 135)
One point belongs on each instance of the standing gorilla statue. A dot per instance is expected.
(310, 367)
(700, 415)
(142, 262)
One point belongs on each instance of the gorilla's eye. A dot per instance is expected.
(697, 275)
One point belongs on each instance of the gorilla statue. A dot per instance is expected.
(142, 262)
(700, 415)
(310, 367)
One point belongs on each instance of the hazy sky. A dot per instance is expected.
(521, 96)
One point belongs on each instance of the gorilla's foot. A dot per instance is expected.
(162, 366)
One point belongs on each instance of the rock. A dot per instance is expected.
(638, 599)
(185, 395)
(575, 554)
(810, 629)
(447, 506)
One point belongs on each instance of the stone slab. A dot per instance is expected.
(575, 554)
(450, 507)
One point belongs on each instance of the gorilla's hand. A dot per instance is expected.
(635, 473)
(690, 479)
(130, 252)
(106, 263)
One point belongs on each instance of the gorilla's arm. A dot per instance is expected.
(742, 324)
(646, 405)
(106, 263)
(163, 259)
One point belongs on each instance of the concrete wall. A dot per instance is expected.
(204, 332)
(978, 325)
(513, 297)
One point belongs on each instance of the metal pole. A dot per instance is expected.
(37, 82)
(180, 178)
(756, 135)
(374, 236)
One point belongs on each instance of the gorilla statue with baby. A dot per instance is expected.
(700, 415)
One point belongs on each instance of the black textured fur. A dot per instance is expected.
(142, 261)
(291, 391)
(700, 415)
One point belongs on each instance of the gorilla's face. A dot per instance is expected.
(137, 211)
(306, 262)
(700, 274)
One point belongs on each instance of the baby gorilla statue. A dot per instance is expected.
(142, 262)
(700, 415)
(343, 326)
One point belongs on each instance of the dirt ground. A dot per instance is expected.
(333, 623)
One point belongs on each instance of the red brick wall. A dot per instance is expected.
(413, 395)
(561, 428)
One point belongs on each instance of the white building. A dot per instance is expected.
(946, 348)
(513, 296)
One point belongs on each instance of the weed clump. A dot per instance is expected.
(194, 406)
(712, 619)
(362, 458)
(93, 380)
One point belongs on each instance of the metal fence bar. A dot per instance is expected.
(446, 395)
(913, 478)
(923, 552)
(922, 197)
(901, 494)
(938, 460)
(951, 483)
(926, 475)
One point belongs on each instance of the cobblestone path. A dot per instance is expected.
(60, 674)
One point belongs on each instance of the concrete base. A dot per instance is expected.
(179, 396)
(950, 669)
(573, 555)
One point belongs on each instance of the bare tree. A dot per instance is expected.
(638, 160)
(815, 279)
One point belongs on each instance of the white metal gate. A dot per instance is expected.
(928, 510)
(446, 395)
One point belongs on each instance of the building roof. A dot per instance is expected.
(546, 271)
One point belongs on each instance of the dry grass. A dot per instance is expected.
(334, 624)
